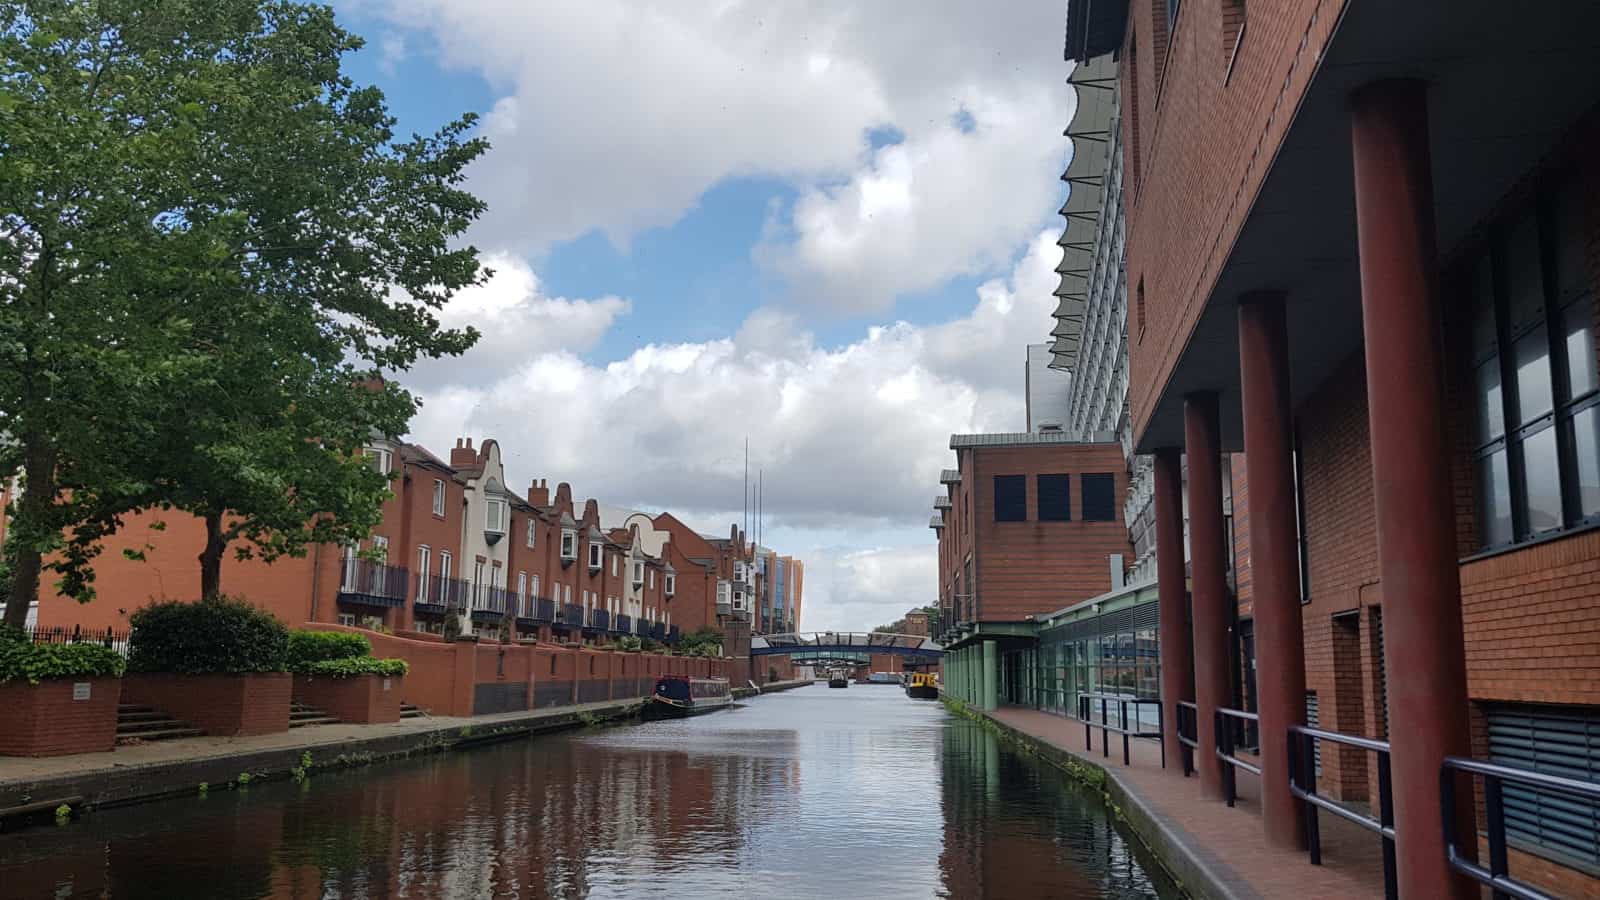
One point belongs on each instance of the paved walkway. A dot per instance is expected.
(1230, 843)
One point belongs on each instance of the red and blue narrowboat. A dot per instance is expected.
(679, 696)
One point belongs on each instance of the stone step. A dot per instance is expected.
(162, 724)
(133, 708)
(164, 735)
(140, 715)
(410, 711)
(313, 720)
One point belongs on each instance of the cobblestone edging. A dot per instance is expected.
(1191, 869)
(29, 798)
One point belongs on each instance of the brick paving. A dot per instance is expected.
(1231, 843)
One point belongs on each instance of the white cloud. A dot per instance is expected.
(850, 439)
(618, 115)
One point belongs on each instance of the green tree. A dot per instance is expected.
(211, 241)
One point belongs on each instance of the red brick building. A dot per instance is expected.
(1363, 247)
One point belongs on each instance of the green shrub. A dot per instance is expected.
(306, 647)
(351, 667)
(25, 660)
(221, 635)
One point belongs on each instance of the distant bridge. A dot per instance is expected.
(839, 643)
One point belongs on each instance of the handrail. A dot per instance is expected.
(1085, 709)
(1303, 785)
(1190, 741)
(1225, 747)
(1497, 876)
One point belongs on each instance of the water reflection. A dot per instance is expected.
(815, 793)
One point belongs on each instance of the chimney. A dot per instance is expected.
(591, 512)
(564, 496)
(463, 456)
(539, 492)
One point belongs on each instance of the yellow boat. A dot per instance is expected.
(923, 686)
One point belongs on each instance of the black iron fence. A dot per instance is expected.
(1134, 727)
(1303, 784)
(442, 592)
(365, 581)
(624, 624)
(1227, 736)
(600, 619)
(77, 634)
(1495, 777)
(1188, 726)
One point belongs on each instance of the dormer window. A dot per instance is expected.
(672, 585)
(494, 516)
(594, 556)
(638, 574)
(569, 544)
(379, 459)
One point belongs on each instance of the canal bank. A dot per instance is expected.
(1211, 853)
(138, 773)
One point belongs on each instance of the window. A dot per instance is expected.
(422, 572)
(494, 516)
(1055, 498)
(672, 585)
(380, 459)
(652, 576)
(438, 497)
(533, 585)
(347, 619)
(532, 527)
(638, 574)
(444, 564)
(595, 550)
(615, 561)
(380, 549)
(1537, 396)
(568, 595)
(1233, 22)
(477, 582)
(569, 544)
(522, 586)
(1011, 498)
(1099, 497)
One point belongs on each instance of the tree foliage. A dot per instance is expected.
(210, 241)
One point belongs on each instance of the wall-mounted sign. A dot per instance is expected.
(80, 690)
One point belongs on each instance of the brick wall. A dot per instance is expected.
(365, 699)
(43, 720)
(221, 705)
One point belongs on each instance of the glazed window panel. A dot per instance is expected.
(1010, 498)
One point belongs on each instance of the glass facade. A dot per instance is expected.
(1115, 653)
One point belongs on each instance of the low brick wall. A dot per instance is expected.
(221, 705)
(363, 699)
(44, 720)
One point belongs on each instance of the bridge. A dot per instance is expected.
(845, 644)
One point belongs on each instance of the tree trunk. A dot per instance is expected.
(211, 558)
(33, 514)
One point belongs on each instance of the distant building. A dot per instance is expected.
(1046, 390)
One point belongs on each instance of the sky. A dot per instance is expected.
(826, 227)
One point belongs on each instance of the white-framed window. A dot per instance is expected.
(532, 529)
(522, 587)
(569, 544)
(738, 571)
(348, 582)
(738, 599)
(595, 550)
(534, 585)
(423, 554)
(380, 549)
(638, 573)
(347, 619)
(380, 459)
(672, 584)
(724, 592)
(444, 563)
(438, 497)
(477, 581)
(652, 576)
(494, 516)
(615, 558)
(568, 595)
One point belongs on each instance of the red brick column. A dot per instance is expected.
(1172, 586)
(1274, 554)
(1424, 656)
(1208, 561)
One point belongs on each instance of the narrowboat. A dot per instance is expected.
(679, 696)
(923, 686)
(837, 679)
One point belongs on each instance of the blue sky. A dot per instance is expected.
(828, 228)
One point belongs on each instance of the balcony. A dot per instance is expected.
(570, 615)
(672, 635)
(659, 631)
(646, 627)
(489, 604)
(599, 620)
(537, 611)
(623, 624)
(367, 583)
(437, 594)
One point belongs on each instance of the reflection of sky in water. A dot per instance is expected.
(815, 793)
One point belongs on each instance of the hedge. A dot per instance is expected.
(353, 666)
(306, 647)
(223, 635)
(23, 659)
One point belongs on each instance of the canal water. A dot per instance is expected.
(814, 793)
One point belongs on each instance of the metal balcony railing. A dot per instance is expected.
(600, 619)
(1227, 742)
(570, 614)
(1188, 726)
(645, 626)
(659, 631)
(1128, 726)
(373, 584)
(437, 593)
(537, 609)
(672, 635)
(489, 602)
(623, 624)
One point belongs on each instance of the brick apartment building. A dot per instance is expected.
(1363, 251)
(453, 538)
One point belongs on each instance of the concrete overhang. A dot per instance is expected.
(1506, 81)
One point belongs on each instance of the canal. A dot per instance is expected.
(806, 794)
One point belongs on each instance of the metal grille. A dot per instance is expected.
(1382, 673)
(1560, 741)
(1313, 721)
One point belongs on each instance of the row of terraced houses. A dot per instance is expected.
(457, 539)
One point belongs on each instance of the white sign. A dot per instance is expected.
(386, 685)
(80, 690)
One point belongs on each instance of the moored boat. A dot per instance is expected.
(837, 679)
(679, 696)
(923, 686)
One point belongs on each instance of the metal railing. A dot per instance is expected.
(600, 619)
(570, 614)
(1086, 712)
(365, 580)
(442, 591)
(1188, 738)
(110, 638)
(537, 609)
(1226, 744)
(624, 624)
(645, 627)
(672, 635)
(1303, 785)
(1497, 876)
